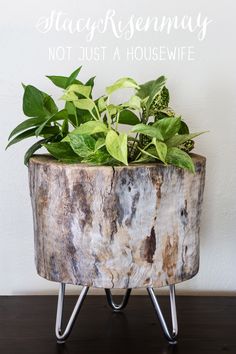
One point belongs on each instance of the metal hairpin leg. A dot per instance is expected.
(113, 305)
(61, 337)
(171, 337)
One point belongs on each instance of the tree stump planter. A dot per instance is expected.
(116, 227)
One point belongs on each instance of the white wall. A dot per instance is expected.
(203, 91)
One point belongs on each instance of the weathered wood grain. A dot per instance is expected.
(116, 227)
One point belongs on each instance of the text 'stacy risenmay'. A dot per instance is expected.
(125, 28)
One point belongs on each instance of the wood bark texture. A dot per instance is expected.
(116, 227)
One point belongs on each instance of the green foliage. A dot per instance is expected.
(62, 115)
(36, 146)
(100, 157)
(161, 149)
(124, 82)
(179, 139)
(62, 152)
(179, 158)
(149, 91)
(82, 145)
(168, 127)
(63, 81)
(88, 130)
(85, 104)
(117, 146)
(37, 103)
(128, 117)
(149, 130)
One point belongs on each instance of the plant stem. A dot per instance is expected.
(93, 115)
(135, 140)
(143, 149)
(117, 119)
(108, 119)
(76, 120)
(97, 111)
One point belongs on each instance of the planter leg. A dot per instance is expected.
(113, 305)
(61, 337)
(171, 337)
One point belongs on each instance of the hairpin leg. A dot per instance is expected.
(171, 337)
(122, 305)
(61, 337)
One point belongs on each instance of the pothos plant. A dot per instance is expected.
(91, 131)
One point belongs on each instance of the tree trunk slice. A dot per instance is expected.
(116, 227)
